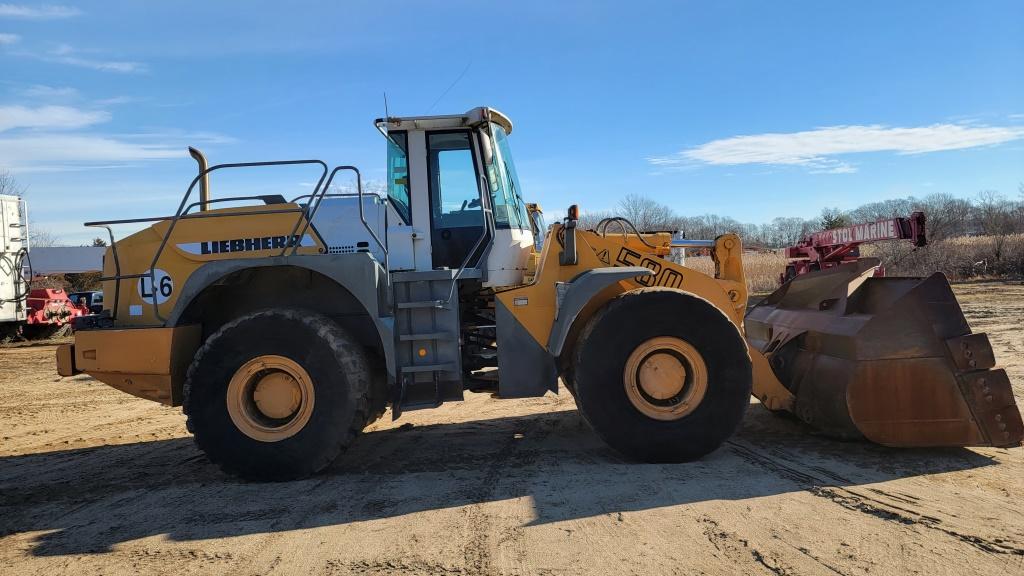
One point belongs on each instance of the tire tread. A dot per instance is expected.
(347, 352)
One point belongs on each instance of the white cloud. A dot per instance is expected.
(68, 55)
(51, 117)
(50, 139)
(44, 92)
(62, 137)
(9, 38)
(212, 138)
(115, 101)
(51, 151)
(816, 149)
(61, 152)
(44, 12)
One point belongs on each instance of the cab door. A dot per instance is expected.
(456, 208)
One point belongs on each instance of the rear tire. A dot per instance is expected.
(302, 424)
(695, 404)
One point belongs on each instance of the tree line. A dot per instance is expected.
(989, 213)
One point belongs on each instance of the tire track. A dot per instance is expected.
(477, 553)
(855, 501)
(738, 550)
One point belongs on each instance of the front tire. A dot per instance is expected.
(662, 375)
(277, 394)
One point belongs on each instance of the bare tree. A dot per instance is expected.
(947, 215)
(37, 237)
(787, 231)
(993, 213)
(10, 186)
(588, 219)
(891, 208)
(648, 215)
(1019, 209)
(41, 237)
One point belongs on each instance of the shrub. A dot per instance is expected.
(959, 258)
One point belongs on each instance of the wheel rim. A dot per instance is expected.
(665, 378)
(270, 398)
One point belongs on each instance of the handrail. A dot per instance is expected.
(263, 197)
(103, 223)
(359, 188)
(196, 215)
(117, 266)
(182, 212)
(184, 201)
(330, 195)
(489, 231)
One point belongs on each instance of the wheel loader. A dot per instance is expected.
(283, 327)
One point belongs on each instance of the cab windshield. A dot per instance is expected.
(509, 208)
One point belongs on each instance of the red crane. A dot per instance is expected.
(828, 248)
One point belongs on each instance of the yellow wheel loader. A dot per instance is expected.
(283, 327)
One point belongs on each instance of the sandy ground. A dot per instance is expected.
(96, 482)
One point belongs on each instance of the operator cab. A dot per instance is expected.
(454, 198)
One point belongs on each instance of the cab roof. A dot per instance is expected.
(472, 117)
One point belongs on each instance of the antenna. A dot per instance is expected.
(387, 120)
(452, 85)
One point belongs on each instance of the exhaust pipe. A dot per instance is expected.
(204, 182)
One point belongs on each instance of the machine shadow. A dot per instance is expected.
(88, 500)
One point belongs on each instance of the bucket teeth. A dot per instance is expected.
(889, 359)
(990, 397)
(971, 352)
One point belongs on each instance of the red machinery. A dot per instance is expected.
(49, 309)
(828, 248)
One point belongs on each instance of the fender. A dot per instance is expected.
(576, 294)
(358, 273)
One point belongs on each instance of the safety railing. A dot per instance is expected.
(362, 215)
(305, 216)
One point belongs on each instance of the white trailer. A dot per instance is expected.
(13, 259)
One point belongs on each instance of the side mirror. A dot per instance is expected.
(485, 147)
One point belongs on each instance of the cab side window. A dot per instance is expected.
(398, 175)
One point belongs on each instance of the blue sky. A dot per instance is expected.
(746, 109)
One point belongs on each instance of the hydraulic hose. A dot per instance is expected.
(17, 263)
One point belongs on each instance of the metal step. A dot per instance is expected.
(446, 367)
(425, 336)
(422, 304)
(425, 319)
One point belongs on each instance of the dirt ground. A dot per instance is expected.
(93, 481)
